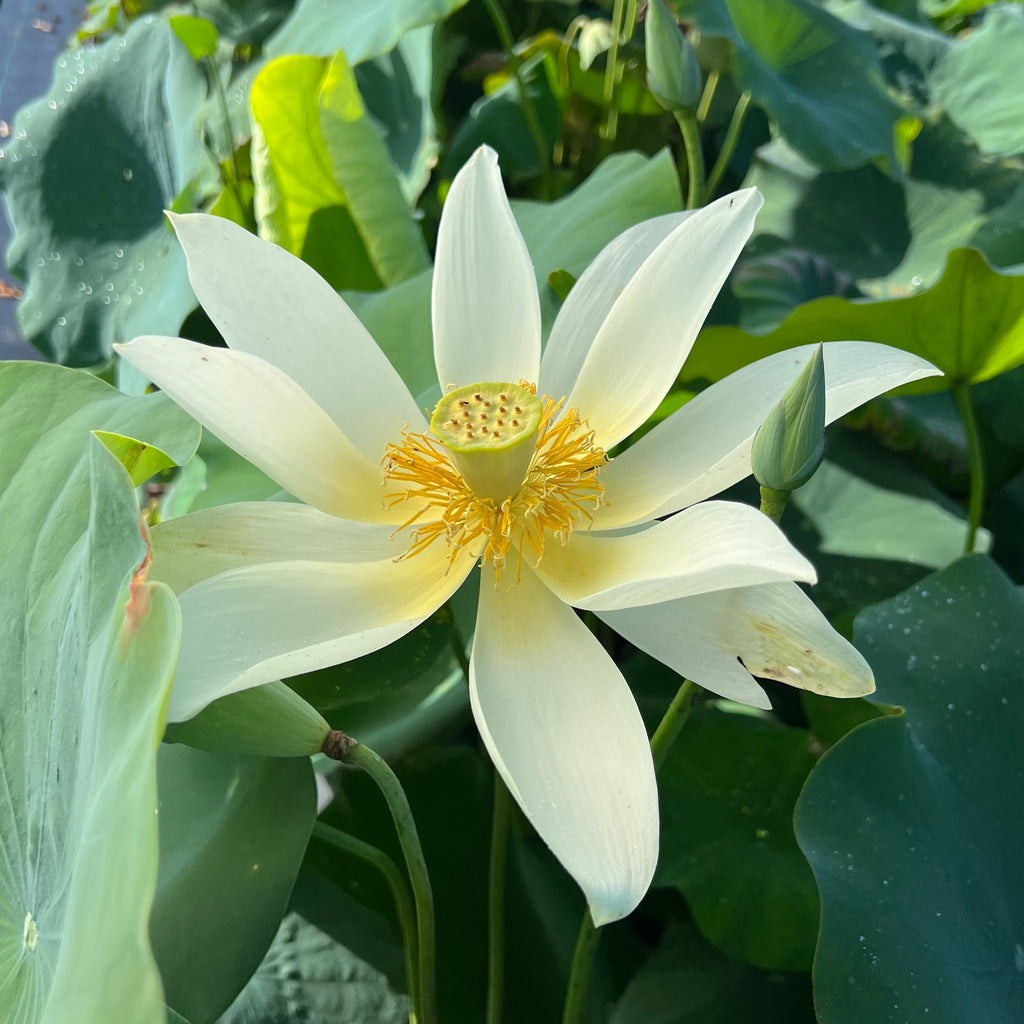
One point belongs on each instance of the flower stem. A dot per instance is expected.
(976, 462)
(732, 136)
(344, 748)
(671, 724)
(579, 974)
(504, 30)
(399, 892)
(773, 503)
(496, 901)
(694, 158)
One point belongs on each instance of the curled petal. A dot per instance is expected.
(562, 728)
(712, 546)
(774, 631)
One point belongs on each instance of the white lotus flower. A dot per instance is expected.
(396, 515)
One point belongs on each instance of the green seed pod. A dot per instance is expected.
(271, 720)
(673, 73)
(790, 444)
(490, 429)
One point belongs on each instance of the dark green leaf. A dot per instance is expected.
(307, 976)
(687, 981)
(232, 834)
(970, 325)
(907, 821)
(818, 78)
(728, 788)
(100, 263)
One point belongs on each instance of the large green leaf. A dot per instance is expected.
(308, 976)
(970, 325)
(912, 823)
(233, 831)
(686, 981)
(978, 82)
(497, 120)
(88, 654)
(818, 78)
(728, 788)
(564, 235)
(91, 168)
(893, 239)
(398, 88)
(858, 518)
(366, 30)
(326, 189)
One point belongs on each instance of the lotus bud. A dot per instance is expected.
(673, 74)
(790, 444)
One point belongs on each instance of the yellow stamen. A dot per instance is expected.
(558, 495)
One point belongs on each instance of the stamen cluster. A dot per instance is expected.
(559, 492)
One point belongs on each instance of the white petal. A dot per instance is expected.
(592, 298)
(485, 308)
(268, 302)
(258, 623)
(712, 546)
(202, 544)
(262, 414)
(562, 728)
(650, 330)
(705, 446)
(775, 630)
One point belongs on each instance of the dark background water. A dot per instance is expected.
(32, 33)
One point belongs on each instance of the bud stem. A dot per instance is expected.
(773, 502)
(694, 158)
(344, 748)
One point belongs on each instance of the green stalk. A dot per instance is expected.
(773, 503)
(732, 136)
(710, 86)
(579, 974)
(496, 901)
(694, 158)
(611, 73)
(671, 724)
(344, 748)
(976, 463)
(399, 892)
(504, 30)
